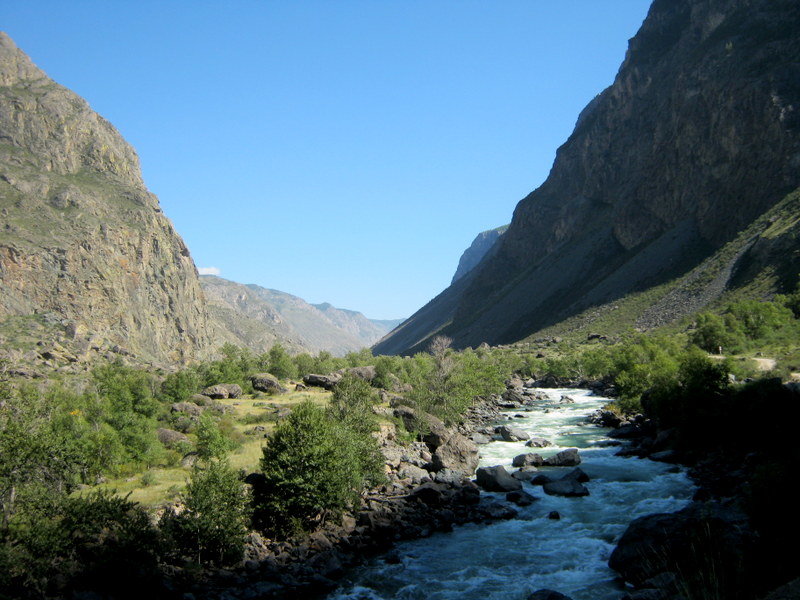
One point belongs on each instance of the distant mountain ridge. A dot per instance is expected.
(256, 317)
(698, 136)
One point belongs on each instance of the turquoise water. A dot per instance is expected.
(510, 559)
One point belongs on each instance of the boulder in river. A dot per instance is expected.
(577, 474)
(509, 433)
(538, 442)
(565, 458)
(525, 473)
(529, 459)
(457, 453)
(547, 595)
(496, 479)
(565, 487)
(521, 498)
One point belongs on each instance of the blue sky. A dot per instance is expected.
(343, 151)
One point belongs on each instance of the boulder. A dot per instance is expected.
(565, 487)
(414, 473)
(514, 396)
(680, 541)
(221, 391)
(327, 382)
(530, 459)
(170, 438)
(367, 373)
(547, 595)
(186, 408)
(509, 433)
(480, 438)
(496, 479)
(554, 515)
(525, 473)
(458, 454)
(264, 382)
(200, 399)
(448, 476)
(565, 458)
(577, 474)
(521, 498)
(567, 400)
(538, 442)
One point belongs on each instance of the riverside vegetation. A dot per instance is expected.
(65, 528)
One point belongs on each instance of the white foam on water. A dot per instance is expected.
(510, 559)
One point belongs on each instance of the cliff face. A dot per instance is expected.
(82, 237)
(698, 135)
(479, 247)
(257, 318)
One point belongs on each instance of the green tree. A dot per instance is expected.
(311, 468)
(213, 525)
(280, 363)
(211, 442)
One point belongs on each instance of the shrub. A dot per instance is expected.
(312, 469)
(280, 364)
(213, 525)
(211, 442)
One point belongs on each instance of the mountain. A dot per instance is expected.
(696, 139)
(257, 317)
(83, 240)
(479, 247)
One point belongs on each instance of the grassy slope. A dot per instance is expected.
(761, 261)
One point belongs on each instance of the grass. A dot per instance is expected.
(163, 484)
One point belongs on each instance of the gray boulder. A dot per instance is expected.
(512, 434)
(327, 382)
(367, 373)
(413, 472)
(222, 391)
(496, 479)
(538, 442)
(480, 438)
(547, 595)
(200, 399)
(530, 459)
(521, 498)
(565, 487)
(171, 438)
(457, 453)
(565, 458)
(264, 382)
(525, 473)
(186, 408)
(577, 474)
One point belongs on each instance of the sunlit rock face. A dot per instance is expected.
(82, 237)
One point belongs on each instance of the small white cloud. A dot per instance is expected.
(208, 271)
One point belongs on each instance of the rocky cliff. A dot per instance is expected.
(477, 250)
(696, 138)
(82, 237)
(257, 317)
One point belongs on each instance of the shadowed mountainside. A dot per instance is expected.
(698, 136)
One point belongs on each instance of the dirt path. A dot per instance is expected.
(765, 364)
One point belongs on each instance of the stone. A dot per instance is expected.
(327, 382)
(530, 459)
(187, 408)
(367, 373)
(264, 382)
(413, 472)
(566, 458)
(547, 595)
(480, 438)
(458, 454)
(538, 442)
(578, 475)
(217, 392)
(554, 515)
(496, 479)
(525, 473)
(200, 399)
(521, 498)
(171, 438)
(565, 487)
(509, 433)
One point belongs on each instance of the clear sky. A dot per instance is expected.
(343, 151)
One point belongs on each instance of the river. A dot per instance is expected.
(508, 560)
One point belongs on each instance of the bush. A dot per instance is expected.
(280, 364)
(211, 442)
(213, 525)
(312, 468)
(99, 542)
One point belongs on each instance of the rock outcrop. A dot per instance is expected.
(477, 250)
(697, 137)
(82, 237)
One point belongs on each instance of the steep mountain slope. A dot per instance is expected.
(697, 137)
(479, 247)
(82, 237)
(257, 317)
